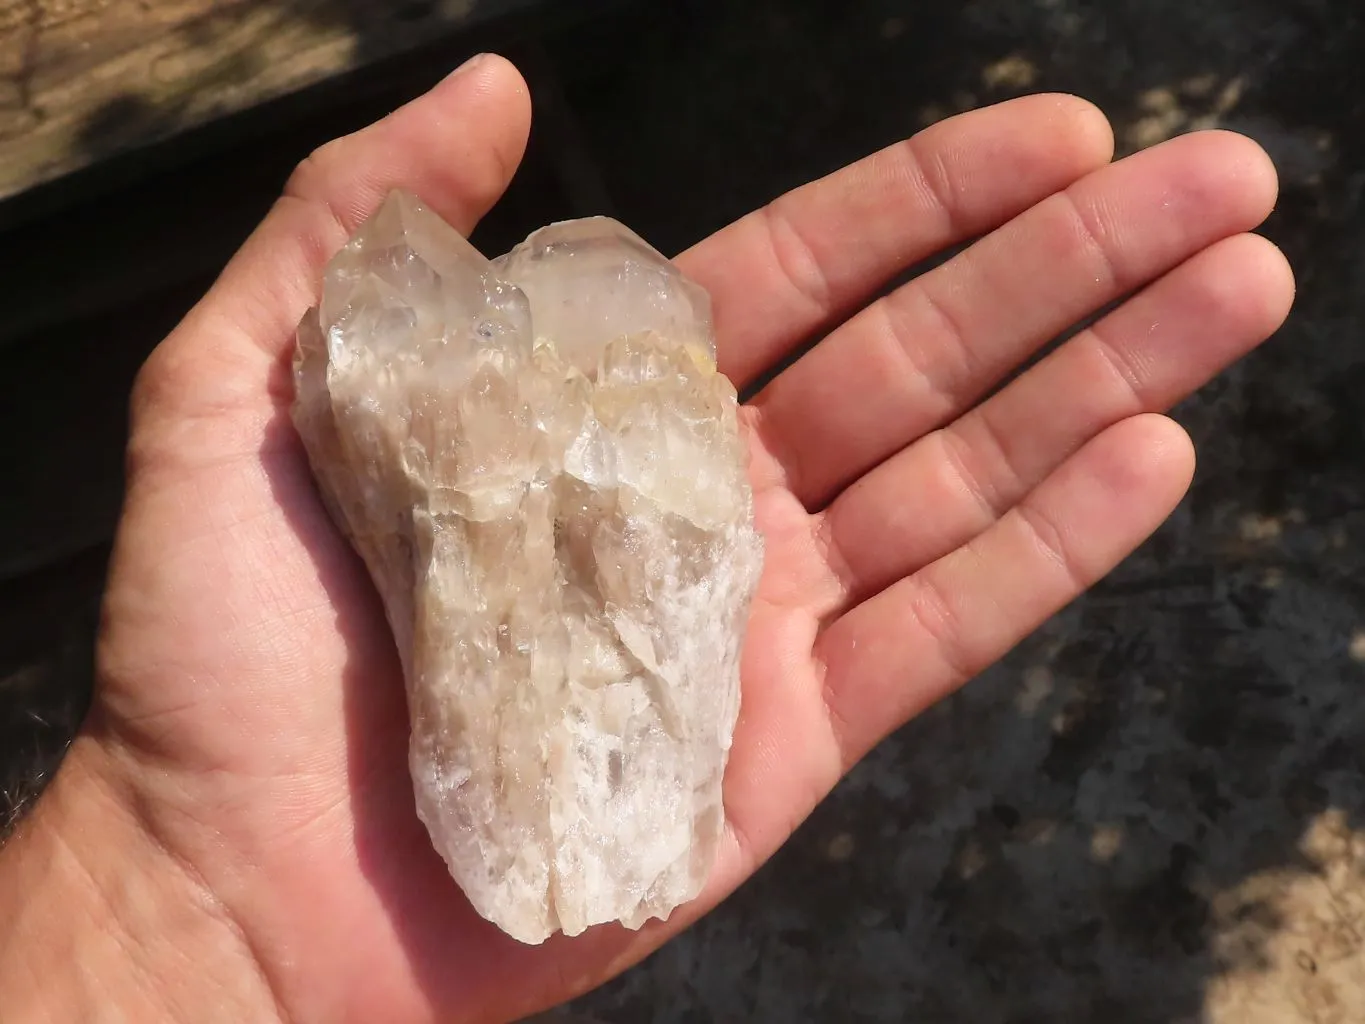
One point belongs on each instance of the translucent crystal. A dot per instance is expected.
(543, 471)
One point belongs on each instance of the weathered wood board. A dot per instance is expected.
(84, 80)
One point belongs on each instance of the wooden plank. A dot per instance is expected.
(85, 80)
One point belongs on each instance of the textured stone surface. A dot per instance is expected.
(543, 470)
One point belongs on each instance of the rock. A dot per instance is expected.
(542, 468)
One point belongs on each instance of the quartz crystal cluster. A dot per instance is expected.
(542, 469)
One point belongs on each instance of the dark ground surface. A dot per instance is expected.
(1154, 811)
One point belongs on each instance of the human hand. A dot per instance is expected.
(248, 740)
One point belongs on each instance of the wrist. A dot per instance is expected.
(97, 921)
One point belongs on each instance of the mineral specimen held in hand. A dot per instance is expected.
(542, 468)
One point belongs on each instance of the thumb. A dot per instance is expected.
(457, 147)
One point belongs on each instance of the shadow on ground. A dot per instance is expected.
(1154, 811)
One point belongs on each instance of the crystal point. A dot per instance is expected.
(543, 471)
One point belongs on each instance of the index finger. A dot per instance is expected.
(806, 260)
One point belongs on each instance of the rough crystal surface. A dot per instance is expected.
(542, 469)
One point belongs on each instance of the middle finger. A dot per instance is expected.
(921, 356)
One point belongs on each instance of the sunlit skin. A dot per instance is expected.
(233, 836)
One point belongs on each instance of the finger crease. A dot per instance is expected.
(796, 259)
(783, 454)
(831, 551)
(1052, 542)
(936, 183)
(322, 203)
(1093, 239)
(955, 342)
(840, 729)
(1121, 367)
(985, 497)
(930, 610)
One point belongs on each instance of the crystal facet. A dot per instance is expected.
(543, 471)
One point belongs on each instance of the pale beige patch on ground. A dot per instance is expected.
(1309, 925)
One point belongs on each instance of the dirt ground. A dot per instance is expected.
(1153, 812)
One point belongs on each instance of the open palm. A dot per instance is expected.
(915, 529)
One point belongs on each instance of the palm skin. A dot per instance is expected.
(248, 692)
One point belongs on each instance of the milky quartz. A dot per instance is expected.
(542, 469)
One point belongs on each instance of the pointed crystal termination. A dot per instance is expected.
(543, 471)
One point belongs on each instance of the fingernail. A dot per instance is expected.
(468, 65)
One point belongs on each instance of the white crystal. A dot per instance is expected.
(543, 471)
